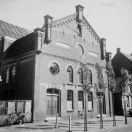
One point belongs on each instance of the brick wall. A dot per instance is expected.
(64, 57)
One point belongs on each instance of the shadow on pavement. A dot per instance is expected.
(34, 128)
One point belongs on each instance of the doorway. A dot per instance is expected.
(52, 102)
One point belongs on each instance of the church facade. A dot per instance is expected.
(45, 67)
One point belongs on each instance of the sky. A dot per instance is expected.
(111, 19)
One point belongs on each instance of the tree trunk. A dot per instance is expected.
(101, 117)
(85, 112)
(114, 120)
(125, 110)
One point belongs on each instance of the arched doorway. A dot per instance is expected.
(53, 102)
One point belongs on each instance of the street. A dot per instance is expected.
(76, 126)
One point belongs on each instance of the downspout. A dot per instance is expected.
(1, 64)
(33, 83)
(109, 96)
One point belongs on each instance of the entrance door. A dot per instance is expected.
(52, 102)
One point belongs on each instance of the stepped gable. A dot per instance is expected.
(10, 30)
(21, 46)
(65, 20)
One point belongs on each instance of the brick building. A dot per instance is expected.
(8, 34)
(120, 60)
(45, 67)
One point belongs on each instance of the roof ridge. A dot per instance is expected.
(90, 26)
(11, 30)
(59, 19)
(10, 50)
(127, 55)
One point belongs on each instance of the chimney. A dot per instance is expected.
(103, 48)
(48, 21)
(39, 39)
(79, 12)
(118, 50)
(108, 56)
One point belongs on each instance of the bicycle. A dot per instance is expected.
(8, 121)
(15, 118)
(20, 118)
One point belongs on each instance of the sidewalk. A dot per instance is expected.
(76, 125)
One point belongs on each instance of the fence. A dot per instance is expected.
(7, 107)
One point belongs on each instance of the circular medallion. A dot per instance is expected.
(54, 68)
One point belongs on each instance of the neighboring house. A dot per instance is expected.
(45, 67)
(8, 34)
(118, 61)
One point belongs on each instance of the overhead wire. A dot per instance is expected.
(89, 11)
(89, 8)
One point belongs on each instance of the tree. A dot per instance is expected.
(126, 82)
(86, 89)
(100, 88)
(112, 86)
(100, 85)
(126, 88)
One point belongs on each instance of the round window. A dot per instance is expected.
(54, 68)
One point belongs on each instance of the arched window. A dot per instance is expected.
(13, 74)
(90, 77)
(70, 74)
(69, 100)
(90, 100)
(7, 75)
(80, 76)
(80, 50)
(80, 100)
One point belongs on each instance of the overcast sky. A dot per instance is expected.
(111, 19)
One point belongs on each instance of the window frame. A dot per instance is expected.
(69, 99)
(80, 100)
(90, 77)
(13, 79)
(69, 74)
(80, 76)
(90, 100)
(7, 75)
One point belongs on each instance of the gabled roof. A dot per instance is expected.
(21, 46)
(7, 29)
(128, 56)
(124, 54)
